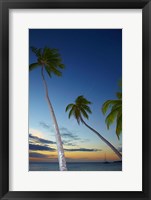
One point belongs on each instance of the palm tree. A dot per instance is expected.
(80, 109)
(50, 61)
(115, 107)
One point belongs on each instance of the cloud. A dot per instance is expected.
(83, 150)
(68, 159)
(70, 135)
(69, 138)
(69, 143)
(40, 140)
(42, 147)
(85, 140)
(64, 131)
(37, 155)
(37, 147)
(36, 132)
(44, 125)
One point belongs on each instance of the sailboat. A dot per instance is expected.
(105, 160)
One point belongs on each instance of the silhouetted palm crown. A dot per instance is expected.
(115, 107)
(79, 109)
(49, 59)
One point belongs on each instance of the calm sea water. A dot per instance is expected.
(84, 166)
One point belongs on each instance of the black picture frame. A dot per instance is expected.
(5, 5)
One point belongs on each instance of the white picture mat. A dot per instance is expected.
(130, 178)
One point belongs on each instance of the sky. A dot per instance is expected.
(93, 68)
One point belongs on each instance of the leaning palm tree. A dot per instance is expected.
(80, 110)
(50, 61)
(115, 107)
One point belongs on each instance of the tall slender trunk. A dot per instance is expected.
(61, 157)
(104, 140)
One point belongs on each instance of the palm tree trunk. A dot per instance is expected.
(61, 157)
(104, 140)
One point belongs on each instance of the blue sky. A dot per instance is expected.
(93, 67)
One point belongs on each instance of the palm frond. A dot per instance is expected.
(87, 108)
(62, 66)
(48, 70)
(108, 105)
(56, 71)
(119, 125)
(77, 115)
(120, 84)
(119, 95)
(69, 106)
(33, 66)
(82, 100)
(71, 112)
(37, 51)
(117, 106)
(84, 113)
(111, 118)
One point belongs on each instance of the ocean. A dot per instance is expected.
(79, 166)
